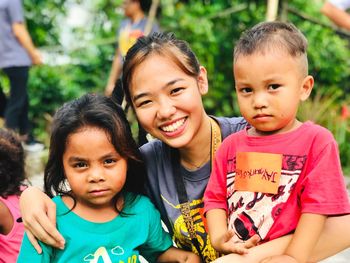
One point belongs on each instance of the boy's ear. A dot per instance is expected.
(202, 81)
(306, 88)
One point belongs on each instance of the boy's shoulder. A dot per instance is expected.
(230, 125)
(308, 131)
(317, 131)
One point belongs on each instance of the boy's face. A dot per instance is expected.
(269, 88)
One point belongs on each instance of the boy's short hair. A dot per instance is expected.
(270, 36)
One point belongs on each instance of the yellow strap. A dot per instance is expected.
(215, 138)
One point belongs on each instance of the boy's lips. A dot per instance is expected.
(262, 117)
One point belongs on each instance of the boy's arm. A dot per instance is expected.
(23, 37)
(220, 236)
(174, 254)
(304, 239)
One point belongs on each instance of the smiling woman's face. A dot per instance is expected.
(167, 101)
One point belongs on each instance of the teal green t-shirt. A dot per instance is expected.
(120, 240)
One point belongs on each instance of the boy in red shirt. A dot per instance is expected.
(279, 175)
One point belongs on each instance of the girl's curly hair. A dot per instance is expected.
(11, 163)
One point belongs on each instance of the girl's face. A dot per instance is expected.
(94, 169)
(167, 101)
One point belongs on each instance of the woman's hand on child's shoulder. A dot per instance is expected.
(39, 218)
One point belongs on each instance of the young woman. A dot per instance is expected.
(164, 83)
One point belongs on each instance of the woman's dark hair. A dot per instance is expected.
(163, 44)
(94, 111)
(12, 172)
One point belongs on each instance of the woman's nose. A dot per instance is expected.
(166, 109)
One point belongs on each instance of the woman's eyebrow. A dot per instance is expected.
(170, 83)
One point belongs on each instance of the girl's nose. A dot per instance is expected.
(96, 175)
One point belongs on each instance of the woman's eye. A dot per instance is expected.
(143, 103)
(176, 90)
(274, 86)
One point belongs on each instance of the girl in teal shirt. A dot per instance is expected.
(94, 169)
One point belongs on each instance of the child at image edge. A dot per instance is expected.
(278, 176)
(101, 215)
(12, 177)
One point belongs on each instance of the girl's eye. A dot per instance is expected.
(79, 165)
(110, 161)
(274, 86)
(176, 90)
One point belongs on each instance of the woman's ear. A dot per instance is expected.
(202, 81)
(306, 88)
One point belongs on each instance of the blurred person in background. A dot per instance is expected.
(17, 54)
(335, 10)
(136, 24)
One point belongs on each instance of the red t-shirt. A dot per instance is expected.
(310, 180)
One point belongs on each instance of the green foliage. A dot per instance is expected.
(324, 108)
(211, 27)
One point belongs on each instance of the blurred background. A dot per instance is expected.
(77, 39)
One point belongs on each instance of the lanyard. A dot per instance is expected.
(185, 207)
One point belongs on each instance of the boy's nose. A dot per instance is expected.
(260, 101)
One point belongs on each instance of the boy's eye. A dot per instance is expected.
(274, 86)
(246, 90)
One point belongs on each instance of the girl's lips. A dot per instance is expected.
(99, 192)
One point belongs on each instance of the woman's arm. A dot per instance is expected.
(174, 254)
(39, 218)
(304, 240)
(334, 238)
